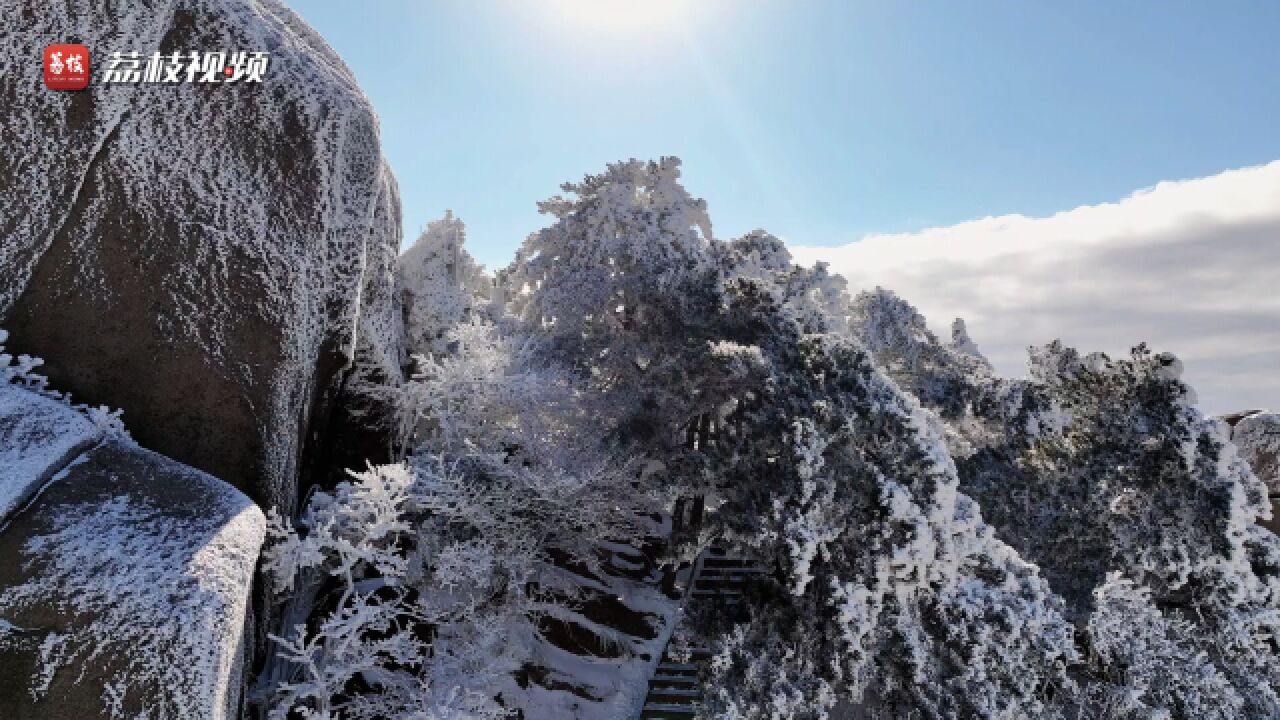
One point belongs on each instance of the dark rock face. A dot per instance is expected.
(124, 585)
(207, 258)
(1258, 438)
(1257, 435)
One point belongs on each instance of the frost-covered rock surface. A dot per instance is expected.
(1258, 438)
(206, 257)
(124, 591)
(1257, 435)
(38, 437)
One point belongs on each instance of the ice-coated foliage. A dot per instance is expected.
(939, 542)
(23, 372)
(1134, 471)
(1108, 469)
(628, 251)
(1149, 663)
(814, 298)
(440, 285)
(1098, 468)
(814, 460)
(939, 375)
(376, 633)
(890, 588)
(430, 578)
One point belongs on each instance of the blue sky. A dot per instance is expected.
(819, 121)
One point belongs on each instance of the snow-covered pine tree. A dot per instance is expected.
(1107, 469)
(945, 377)
(889, 593)
(720, 365)
(624, 288)
(440, 285)
(1104, 474)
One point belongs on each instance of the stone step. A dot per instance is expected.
(667, 712)
(698, 653)
(717, 592)
(727, 572)
(718, 563)
(673, 696)
(744, 571)
(737, 581)
(674, 689)
(672, 681)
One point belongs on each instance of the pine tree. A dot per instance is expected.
(440, 285)
(729, 368)
(939, 542)
(1107, 468)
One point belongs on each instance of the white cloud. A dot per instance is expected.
(1191, 266)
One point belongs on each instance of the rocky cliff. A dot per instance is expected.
(207, 257)
(215, 261)
(1256, 434)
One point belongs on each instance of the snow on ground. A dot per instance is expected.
(618, 684)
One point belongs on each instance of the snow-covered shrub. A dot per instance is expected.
(23, 372)
(419, 587)
(370, 655)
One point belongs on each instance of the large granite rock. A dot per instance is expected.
(206, 257)
(38, 437)
(1257, 436)
(124, 583)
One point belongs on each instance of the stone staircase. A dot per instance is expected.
(674, 690)
(722, 577)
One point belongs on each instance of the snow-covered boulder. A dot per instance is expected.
(1258, 438)
(38, 437)
(124, 585)
(208, 257)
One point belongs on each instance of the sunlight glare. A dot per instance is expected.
(620, 16)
